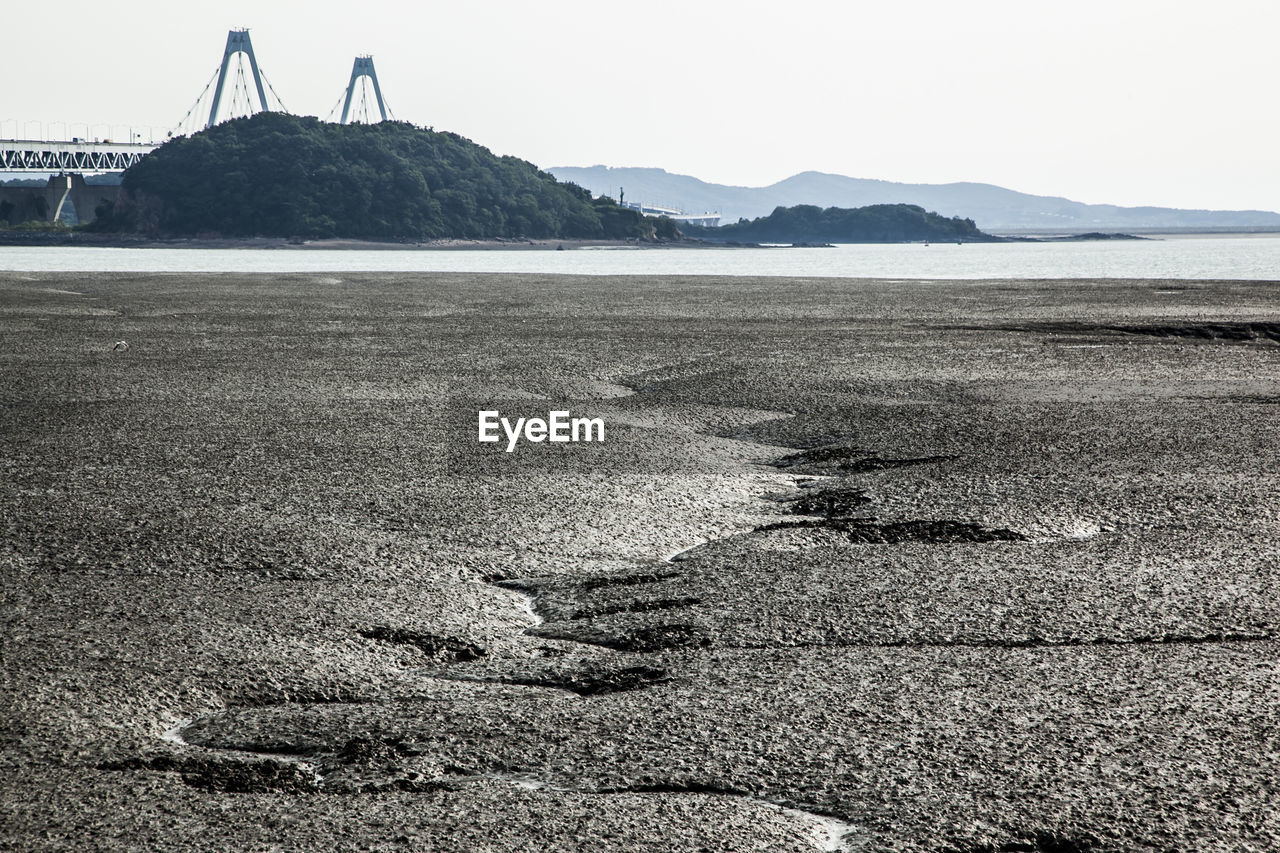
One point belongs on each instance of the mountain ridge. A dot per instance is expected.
(989, 205)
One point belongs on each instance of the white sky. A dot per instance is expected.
(1171, 103)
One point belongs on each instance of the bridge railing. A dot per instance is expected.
(76, 131)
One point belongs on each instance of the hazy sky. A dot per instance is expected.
(1171, 103)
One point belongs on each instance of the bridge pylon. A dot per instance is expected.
(363, 67)
(237, 42)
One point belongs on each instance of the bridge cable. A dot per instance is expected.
(234, 105)
(241, 89)
(279, 100)
(233, 101)
(182, 123)
(242, 80)
(338, 105)
(363, 109)
(248, 93)
(357, 103)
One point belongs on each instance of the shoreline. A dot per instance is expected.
(117, 241)
(81, 239)
(73, 239)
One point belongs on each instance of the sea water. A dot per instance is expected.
(1254, 257)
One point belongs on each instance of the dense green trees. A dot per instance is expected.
(288, 176)
(877, 223)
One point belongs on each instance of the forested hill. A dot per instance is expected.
(277, 175)
(877, 223)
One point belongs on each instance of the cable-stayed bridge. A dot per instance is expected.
(238, 87)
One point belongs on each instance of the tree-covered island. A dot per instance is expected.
(278, 175)
(877, 223)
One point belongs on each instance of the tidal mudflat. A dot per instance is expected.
(862, 565)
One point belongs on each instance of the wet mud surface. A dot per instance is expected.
(927, 566)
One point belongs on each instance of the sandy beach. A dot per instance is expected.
(966, 566)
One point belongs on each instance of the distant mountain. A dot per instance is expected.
(991, 207)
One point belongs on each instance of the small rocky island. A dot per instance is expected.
(876, 223)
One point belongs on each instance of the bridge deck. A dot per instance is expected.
(30, 155)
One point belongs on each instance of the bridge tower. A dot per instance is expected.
(238, 42)
(363, 67)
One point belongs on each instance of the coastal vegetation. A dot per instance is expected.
(278, 175)
(877, 223)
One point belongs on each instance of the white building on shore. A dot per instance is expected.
(707, 220)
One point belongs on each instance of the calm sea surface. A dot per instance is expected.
(1208, 257)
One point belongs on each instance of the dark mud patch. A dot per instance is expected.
(603, 581)
(849, 460)
(260, 777)
(365, 750)
(934, 532)
(1209, 331)
(559, 599)
(1244, 332)
(678, 786)
(584, 682)
(444, 649)
(411, 785)
(225, 776)
(615, 681)
(375, 756)
(1253, 399)
(520, 584)
(829, 502)
(636, 606)
(657, 638)
(497, 578)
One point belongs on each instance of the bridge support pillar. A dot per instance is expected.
(56, 195)
(87, 197)
(363, 67)
(47, 203)
(237, 42)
